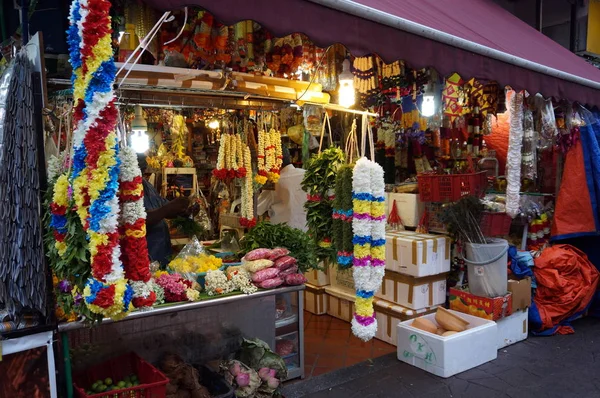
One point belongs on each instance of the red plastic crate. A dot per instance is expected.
(450, 187)
(495, 224)
(153, 383)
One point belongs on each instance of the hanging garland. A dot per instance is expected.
(95, 163)
(132, 228)
(247, 217)
(342, 217)
(58, 210)
(320, 174)
(230, 160)
(368, 225)
(270, 156)
(262, 174)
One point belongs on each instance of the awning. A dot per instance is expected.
(475, 38)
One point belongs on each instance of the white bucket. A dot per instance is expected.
(486, 264)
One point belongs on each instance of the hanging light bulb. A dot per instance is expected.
(346, 91)
(428, 105)
(213, 124)
(139, 127)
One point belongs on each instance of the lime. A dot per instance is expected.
(95, 385)
(108, 381)
(128, 385)
(121, 384)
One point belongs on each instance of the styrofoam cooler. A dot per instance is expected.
(486, 264)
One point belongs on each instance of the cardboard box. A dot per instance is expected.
(521, 293)
(317, 277)
(416, 254)
(513, 328)
(340, 304)
(315, 300)
(411, 292)
(410, 208)
(448, 356)
(341, 279)
(462, 300)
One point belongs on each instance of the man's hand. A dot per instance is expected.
(178, 206)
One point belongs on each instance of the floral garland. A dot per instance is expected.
(342, 217)
(95, 162)
(262, 175)
(58, 211)
(176, 288)
(274, 156)
(368, 225)
(132, 229)
(230, 160)
(247, 217)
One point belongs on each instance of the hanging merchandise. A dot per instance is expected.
(547, 122)
(132, 229)
(368, 226)
(320, 176)
(454, 97)
(529, 148)
(230, 160)
(179, 133)
(95, 163)
(247, 217)
(513, 157)
(22, 271)
(270, 155)
(342, 217)
(365, 77)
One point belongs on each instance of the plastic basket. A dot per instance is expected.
(495, 224)
(153, 383)
(450, 187)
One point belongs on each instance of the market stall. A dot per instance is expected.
(403, 185)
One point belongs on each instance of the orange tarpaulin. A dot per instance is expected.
(566, 283)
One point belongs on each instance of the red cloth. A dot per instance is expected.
(566, 282)
(574, 213)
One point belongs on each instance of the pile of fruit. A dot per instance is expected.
(270, 268)
(107, 385)
(195, 264)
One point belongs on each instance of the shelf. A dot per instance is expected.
(280, 323)
(66, 327)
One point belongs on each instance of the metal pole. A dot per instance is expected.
(539, 15)
(24, 21)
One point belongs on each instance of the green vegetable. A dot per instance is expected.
(267, 235)
(188, 227)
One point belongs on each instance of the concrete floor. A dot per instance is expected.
(548, 367)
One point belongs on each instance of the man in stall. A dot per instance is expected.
(159, 209)
(285, 204)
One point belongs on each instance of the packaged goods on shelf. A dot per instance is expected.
(446, 356)
(416, 254)
(411, 292)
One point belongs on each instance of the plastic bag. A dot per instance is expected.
(193, 260)
(313, 117)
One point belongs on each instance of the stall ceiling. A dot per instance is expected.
(473, 21)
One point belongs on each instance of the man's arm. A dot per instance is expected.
(172, 209)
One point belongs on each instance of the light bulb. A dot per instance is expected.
(346, 91)
(140, 141)
(139, 123)
(213, 124)
(428, 106)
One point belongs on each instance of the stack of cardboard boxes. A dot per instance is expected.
(414, 282)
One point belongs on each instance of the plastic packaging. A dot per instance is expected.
(271, 283)
(295, 279)
(264, 274)
(257, 265)
(257, 254)
(486, 264)
(278, 252)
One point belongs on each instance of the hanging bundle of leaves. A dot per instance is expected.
(342, 217)
(319, 183)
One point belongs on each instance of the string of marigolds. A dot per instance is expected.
(270, 156)
(247, 217)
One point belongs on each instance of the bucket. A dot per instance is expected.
(486, 264)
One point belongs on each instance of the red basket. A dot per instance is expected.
(450, 187)
(495, 224)
(153, 384)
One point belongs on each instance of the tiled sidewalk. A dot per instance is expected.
(329, 345)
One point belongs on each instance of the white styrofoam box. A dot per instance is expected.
(447, 356)
(416, 254)
(341, 278)
(411, 292)
(513, 328)
(410, 208)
